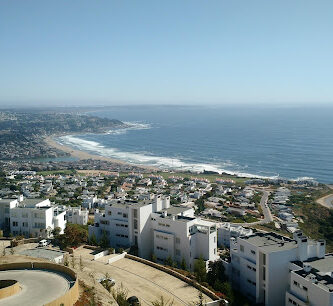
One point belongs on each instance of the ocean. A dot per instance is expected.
(282, 142)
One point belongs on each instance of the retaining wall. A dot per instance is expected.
(69, 298)
(180, 276)
(116, 258)
(8, 288)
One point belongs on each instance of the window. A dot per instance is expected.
(214, 251)
(110, 213)
(296, 283)
(305, 288)
(25, 215)
(125, 216)
(264, 259)
(241, 247)
(214, 239)
(135, 213)
(15, 223)
(177, 252)
(177, 240)
(253, 252)
(25, 224)
(119, 213)
(135, 224)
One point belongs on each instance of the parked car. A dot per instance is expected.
(43, 243)
(133, 301)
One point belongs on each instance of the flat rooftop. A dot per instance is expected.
(270, 241)
(176, 210)
(42, 253)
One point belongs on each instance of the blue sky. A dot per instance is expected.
(121, 52)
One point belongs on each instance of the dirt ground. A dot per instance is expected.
(145, 282)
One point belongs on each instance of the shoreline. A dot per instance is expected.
(326, 201)
(81, 155)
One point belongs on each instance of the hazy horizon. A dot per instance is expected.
(83, 53)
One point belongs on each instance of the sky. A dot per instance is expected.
(104, 52)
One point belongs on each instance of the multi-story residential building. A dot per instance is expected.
(36, 218)
(76, 215)
(5, 206)
(225, 231)
(311, 282)
(261, 264)
(156, 228)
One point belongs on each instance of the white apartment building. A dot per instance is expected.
(261, 265)
(5, 206)
(36, 218)
(225, 231)
(76, 215)
(156, 228)
(311, 282)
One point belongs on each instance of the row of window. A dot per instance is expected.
(251, 282)
(251, 268)
(163, 224)
(161, 237)
(122, 236)
(161, 248)
(121, 225)
(24, 224)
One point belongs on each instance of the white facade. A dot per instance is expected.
(156, 228)
(260, 264)
(5, 206)
(76, 215)
(225, 231)
(36, 218)
(311, 283)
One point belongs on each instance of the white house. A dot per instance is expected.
(5, 206)
(36, 218)
(76, 215)
(225, 231)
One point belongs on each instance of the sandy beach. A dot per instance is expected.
(84, 155)
(327, 201)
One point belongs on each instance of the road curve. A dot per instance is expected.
(38, 287)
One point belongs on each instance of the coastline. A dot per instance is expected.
(81, 155)
(327, 201)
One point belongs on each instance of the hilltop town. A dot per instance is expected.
(129, 234)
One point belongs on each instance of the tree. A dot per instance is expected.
(169, 261)
(183, 264)
(104, 241)
(200, 270)
(73, 236)
(215, 272)
(153, 257)
(120, 295)
(56, 231)
(92, 239)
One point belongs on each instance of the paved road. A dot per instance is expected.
(38, 287)
(266, 211)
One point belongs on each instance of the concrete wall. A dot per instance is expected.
(101, 254)
(8, 288)
(69, 298)
(180, 276)
(116, 258)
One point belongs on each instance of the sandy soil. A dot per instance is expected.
(327, 201)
